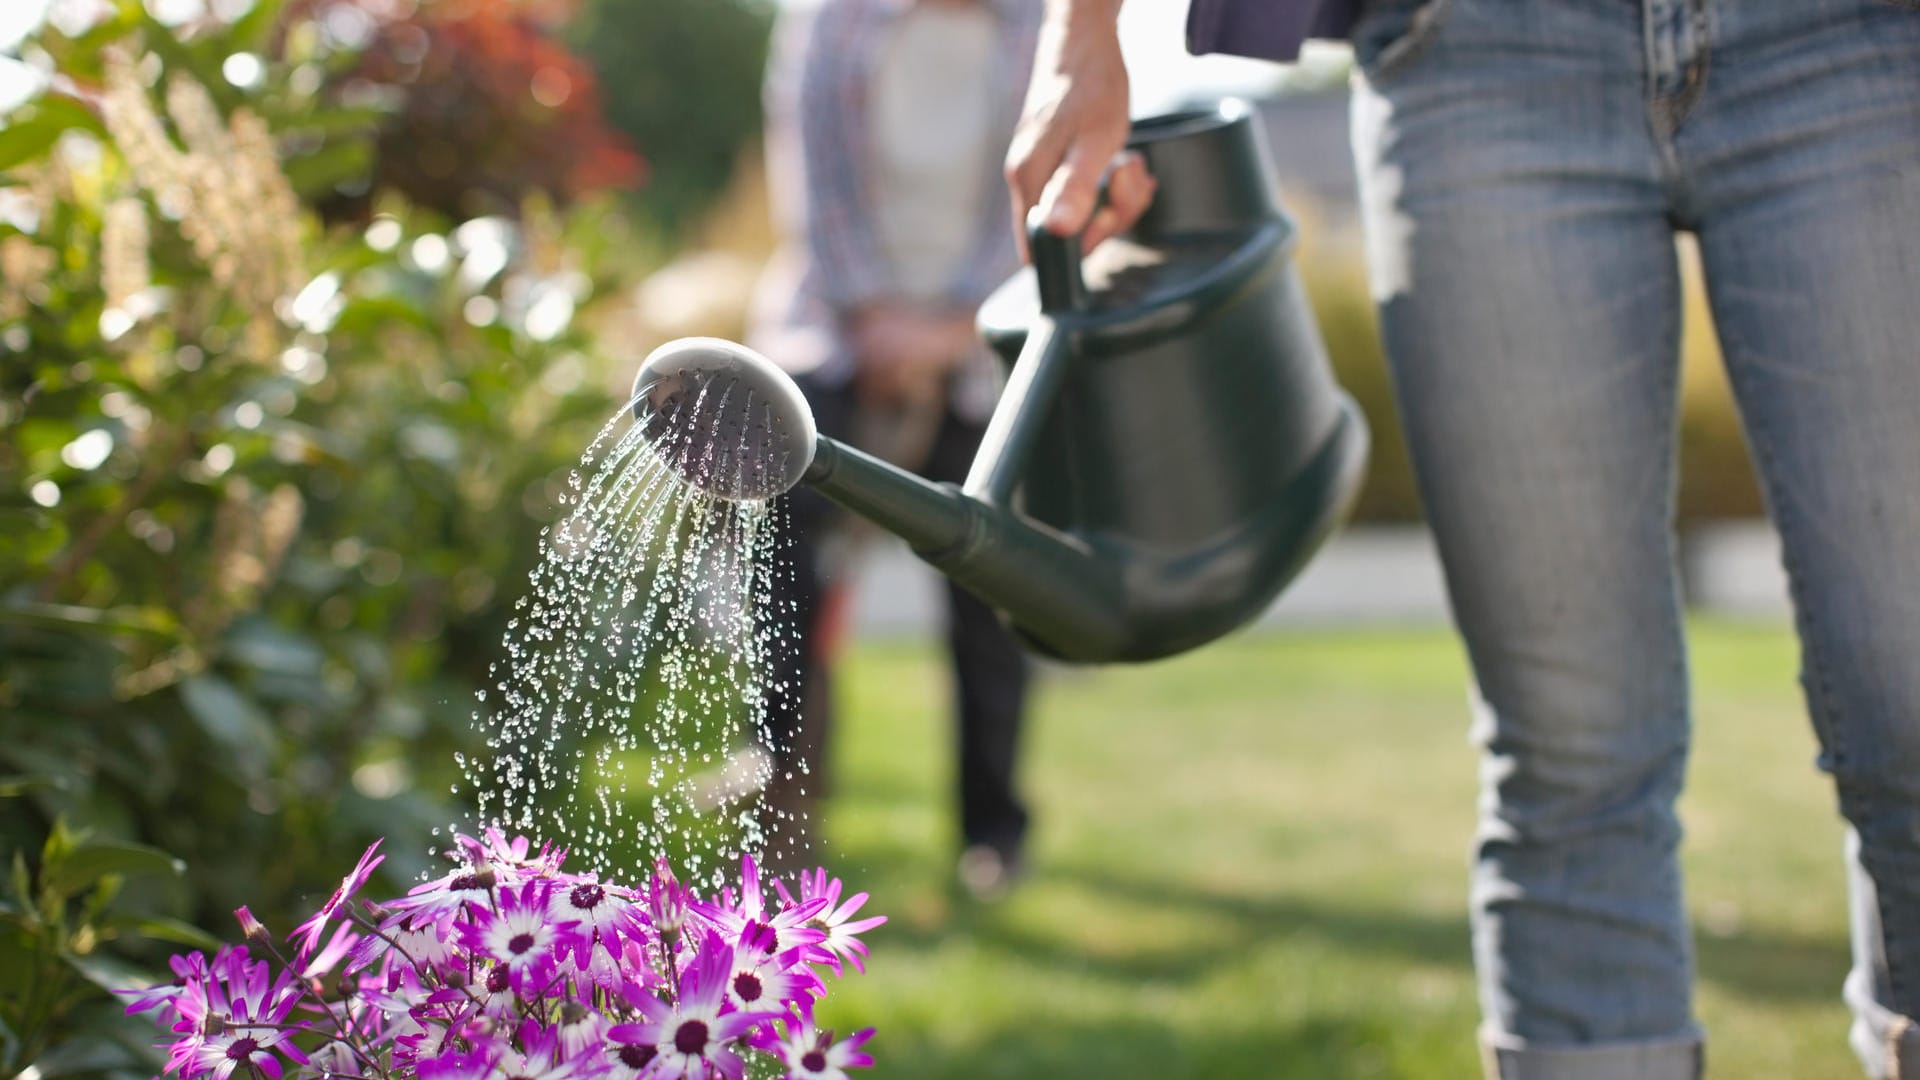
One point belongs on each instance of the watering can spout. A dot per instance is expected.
(734, 425)
(1055, 591)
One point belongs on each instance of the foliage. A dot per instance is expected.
(489, 108)
(682, 79)
(56, 926)
(266, 486)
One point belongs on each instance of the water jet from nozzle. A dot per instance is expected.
(724, 417)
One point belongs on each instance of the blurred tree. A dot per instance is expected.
(483, 105)
(682, 79)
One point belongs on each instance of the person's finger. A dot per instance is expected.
(1035, 154)
(1129, 192)
(1067, 202)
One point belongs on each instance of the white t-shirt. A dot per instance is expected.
(933, 110)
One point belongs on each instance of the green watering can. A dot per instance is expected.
(1171, 446)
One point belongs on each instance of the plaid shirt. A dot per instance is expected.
(817, 154)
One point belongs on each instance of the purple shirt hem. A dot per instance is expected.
(1265, 29)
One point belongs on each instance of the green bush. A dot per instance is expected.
(681, 78)
(268, 491)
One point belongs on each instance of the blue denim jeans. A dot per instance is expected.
(1525, 166)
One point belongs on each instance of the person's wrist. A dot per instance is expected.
(1085, 13)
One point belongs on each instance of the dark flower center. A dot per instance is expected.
(691, 1038)
(586, 897)
(519, 943)
(464, 882)
(761, 935)
(498, 980)
(637, 1057)
(747, 986)
(814, 1061)
(242, 1048)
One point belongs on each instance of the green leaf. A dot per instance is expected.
(264, 647)
(35, 128)
(110, 973)
(315, 174)
(251, 31)
(12, 787)
(22, 883)
(161, 928)
(90, 1053)
(233, 721)
(155, 622)
(77, 871)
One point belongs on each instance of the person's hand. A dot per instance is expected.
(903, 352)
(1073, 128)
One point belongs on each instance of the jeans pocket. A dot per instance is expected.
(1391, 34)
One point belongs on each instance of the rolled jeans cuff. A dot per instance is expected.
(1508, 1057)
(1903, 1049)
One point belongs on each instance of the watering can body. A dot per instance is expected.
(1171, 447)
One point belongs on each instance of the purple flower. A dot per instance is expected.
(736, 921)
(511, 967)
(343, 941)
(811, 1054)
(187, 970)
(495, 849)
(539, 1053)
(436, 904)
(840, 942)
(519, 937)
(232, 1017)
(606, 916)
(408, 939)
(349, 885)
(693, 1038)
(667, 900)
(761, 980)
(455, 1065)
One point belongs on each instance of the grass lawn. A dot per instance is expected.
(1250, 862)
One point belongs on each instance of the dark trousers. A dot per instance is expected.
(990, 671)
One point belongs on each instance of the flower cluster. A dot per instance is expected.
(511, 967)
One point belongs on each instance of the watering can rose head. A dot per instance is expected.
(725, 418)
(509, 966)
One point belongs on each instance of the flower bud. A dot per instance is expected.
(252, 929)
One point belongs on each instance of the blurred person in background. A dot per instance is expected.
(888, 121)
(1524, 168)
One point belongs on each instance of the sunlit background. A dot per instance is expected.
(289, 391)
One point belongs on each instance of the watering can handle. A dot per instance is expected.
(1036, 377)
(1056, 265)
